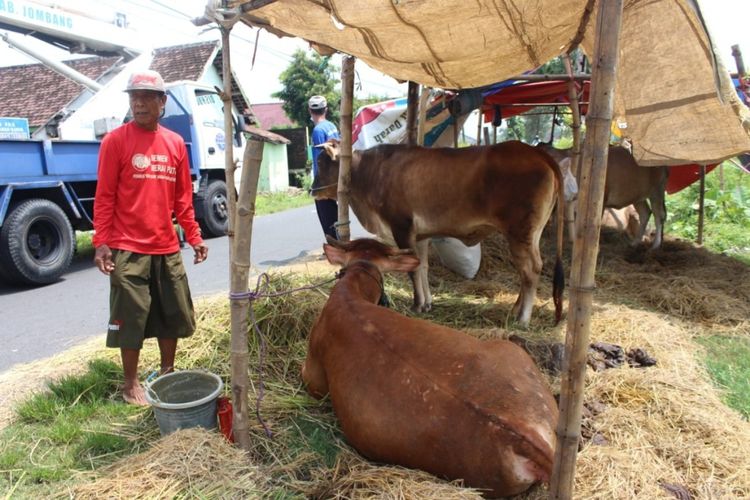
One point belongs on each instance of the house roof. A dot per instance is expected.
(184, 62)
(270, 115)
(35, 92)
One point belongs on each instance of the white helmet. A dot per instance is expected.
(317, 102)
(146, 80)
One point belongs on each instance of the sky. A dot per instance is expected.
(168, 22)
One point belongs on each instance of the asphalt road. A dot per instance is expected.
(39, 322)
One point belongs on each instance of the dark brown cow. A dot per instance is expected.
(628, 183)
(409, 392)
(408, 194)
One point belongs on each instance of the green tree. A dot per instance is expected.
(304, 77)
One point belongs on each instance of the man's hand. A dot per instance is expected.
(103, 259)
(201, 253)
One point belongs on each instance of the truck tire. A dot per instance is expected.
(36, 243)
(215, 209)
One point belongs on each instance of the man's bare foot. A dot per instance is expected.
(134, 395)
(166, 369)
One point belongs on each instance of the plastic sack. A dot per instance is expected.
(569, 181)
(459, 258)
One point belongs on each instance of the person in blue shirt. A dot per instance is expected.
(328, 210)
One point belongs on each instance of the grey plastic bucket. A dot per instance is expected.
(184, 399)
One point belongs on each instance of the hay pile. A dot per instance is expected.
(191, 463)
(653, 432)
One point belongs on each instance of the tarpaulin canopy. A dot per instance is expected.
(673, 101)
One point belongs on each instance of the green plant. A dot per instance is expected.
(726, 212)
(728, 362)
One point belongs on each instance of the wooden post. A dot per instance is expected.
(701, 204)
(423, 98)
(239, 308)
(586, 247)
(480, 118)
(412, 110)
(347, 97)
(229, 166)
(575, 159)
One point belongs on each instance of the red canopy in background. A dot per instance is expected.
(508, 95)
(681, 176)
(534, 93)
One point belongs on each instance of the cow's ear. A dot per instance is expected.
(404, 263)
(335, 256)
(331, 149)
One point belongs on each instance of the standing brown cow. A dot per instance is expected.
(408, 194)
(409, 392)
(628, 183)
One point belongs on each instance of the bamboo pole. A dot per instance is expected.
(575, 160)
(239, 285)
(586, 247)
(701, 204)
(239, 249)
(347, 97)
(412, 110)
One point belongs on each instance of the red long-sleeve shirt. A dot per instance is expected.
(144, 178)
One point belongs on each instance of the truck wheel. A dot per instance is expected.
(215, 209)
(36, 243)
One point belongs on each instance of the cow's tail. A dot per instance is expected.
(558, 277)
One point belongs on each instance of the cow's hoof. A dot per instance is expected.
(421, 308)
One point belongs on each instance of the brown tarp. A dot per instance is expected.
(670, 102)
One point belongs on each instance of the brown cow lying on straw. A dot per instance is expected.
(413, 393)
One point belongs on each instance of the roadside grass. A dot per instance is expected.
(728, 362)
(265, 203)
(269, 203)
(79, 424)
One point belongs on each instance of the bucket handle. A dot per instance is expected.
(147, 386)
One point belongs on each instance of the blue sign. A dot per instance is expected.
(14, 128)
(220, 141)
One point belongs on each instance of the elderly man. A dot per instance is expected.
(143, 181)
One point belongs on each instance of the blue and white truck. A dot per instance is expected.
(47, 183)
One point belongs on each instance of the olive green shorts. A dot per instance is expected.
(149, 297)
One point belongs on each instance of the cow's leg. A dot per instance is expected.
(528, 262)
(644, 212)
(405, 239)
(659, 208)
(423, 248)
(314, 376)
